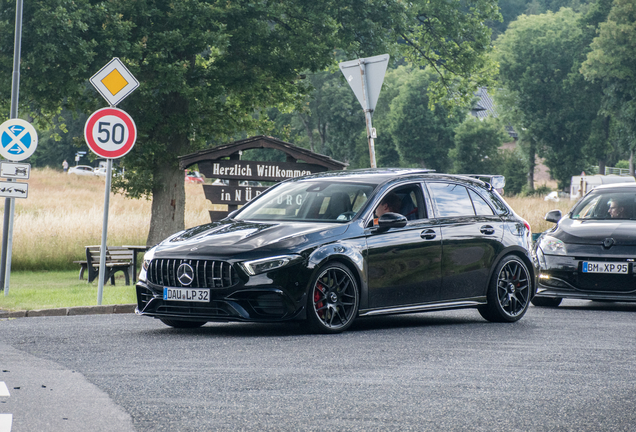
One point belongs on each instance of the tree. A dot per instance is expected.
(513, 167)
(206, 66)
(612, 62)
(477, 145)
(545, 97)
(422, 136)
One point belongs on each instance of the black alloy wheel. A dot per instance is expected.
(333, 299)
(509, 291)
(546, 301)
(181, 324)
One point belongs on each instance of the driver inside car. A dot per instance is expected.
(618, 209)
(390, 203)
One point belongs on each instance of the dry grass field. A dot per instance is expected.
(64, 213)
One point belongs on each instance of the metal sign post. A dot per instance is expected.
(365, 76)
(110, 133)
(15, 92)
(102, 257)
(18, 141)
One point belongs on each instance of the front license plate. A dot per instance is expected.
(186, 294)
(605, 267)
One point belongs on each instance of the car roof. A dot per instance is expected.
(383, 175)
(617, 186)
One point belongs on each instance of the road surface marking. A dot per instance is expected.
(5, 422)
(4, 391)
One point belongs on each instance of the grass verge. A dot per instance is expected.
(55, 289)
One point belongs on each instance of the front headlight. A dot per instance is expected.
(148, 256)
(267, 264)
(552, 246)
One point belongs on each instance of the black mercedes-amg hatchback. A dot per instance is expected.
(328, 248)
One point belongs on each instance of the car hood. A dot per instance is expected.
(229, 237)
(576, 231)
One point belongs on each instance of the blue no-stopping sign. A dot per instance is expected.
(18, 139)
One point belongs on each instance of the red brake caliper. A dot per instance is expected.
(318, 304)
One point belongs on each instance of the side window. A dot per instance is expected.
(411, 202)
(405, 200)
(500, 208)
(451, 200)
(481, 207)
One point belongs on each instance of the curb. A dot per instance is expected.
(70, 311)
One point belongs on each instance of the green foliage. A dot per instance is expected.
(206, 68)
(451, 38)
(624, 164)
(477, 144)
(512, 9)
(60, 141)
(612, 62)
(546, 98)
(422, 136)
(514, 169)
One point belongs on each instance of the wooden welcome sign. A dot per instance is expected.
(240, 179)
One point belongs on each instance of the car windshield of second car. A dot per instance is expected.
(310, 201)
(606, 205)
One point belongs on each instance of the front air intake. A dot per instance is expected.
(206, 274)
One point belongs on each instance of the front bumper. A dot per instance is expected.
(562, 277)
(259, 299)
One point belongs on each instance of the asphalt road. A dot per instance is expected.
(572, 368)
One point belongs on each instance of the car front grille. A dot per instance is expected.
(606, 282)
(207, 273)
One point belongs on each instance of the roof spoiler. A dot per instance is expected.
(496, 181)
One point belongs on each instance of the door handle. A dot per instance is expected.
(487, 229)
(428, 234)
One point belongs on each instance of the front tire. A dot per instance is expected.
(333, 299)
(180, 324)
(509, 291)
(546, 301)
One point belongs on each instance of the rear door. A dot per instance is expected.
(472, 235)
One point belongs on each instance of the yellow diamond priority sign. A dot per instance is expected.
(114, 82)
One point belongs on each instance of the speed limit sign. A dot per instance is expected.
(110, 133)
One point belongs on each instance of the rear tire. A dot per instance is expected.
(333, 300)
(182, 324)
(509, 291)
(546, 301)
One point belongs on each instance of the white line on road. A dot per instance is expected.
(4, 391)
(5, 419)
(5, 422)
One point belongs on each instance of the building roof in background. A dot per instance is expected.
(485, 107)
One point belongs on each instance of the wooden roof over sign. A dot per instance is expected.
(261, 141)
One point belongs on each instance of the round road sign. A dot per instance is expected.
(110, 133)
(18, 139)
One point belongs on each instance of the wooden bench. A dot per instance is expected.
(118, 258)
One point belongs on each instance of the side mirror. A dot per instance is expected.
(391, 220)
(553, 216)
(231, 215)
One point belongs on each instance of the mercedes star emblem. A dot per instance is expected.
(185, 274)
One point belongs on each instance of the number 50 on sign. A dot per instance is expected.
(110, 133)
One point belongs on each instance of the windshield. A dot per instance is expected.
(606, 205)
(311, 201)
